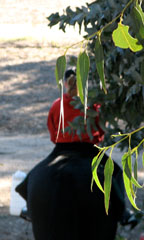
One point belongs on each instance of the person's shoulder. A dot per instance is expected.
(55, 102)
(55, 105)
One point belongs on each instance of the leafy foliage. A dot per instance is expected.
(115, 49)
(119, 71)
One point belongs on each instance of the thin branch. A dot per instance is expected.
(120, 15)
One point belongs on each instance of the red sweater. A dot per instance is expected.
(69, 114)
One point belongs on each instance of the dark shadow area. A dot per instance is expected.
(28, 92)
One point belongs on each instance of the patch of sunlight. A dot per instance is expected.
(5, 183)
(12, 32)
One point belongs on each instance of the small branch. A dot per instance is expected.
(120, 15)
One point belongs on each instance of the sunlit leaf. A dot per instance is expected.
(83, 65)
(95, 163)
(82, 74)
(99, 57)
(108, 172)
(60, 69)
(123, 39)
(127, 181)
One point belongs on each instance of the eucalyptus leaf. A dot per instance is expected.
(60, 69)
(136, 164)
(99, 58)
(78, 18)
(135, 89)
(138, 23)
(108, 172)
(137, 77)
(127, 182)
(123, 39)
(53, 19)
(83, 65)
(138, 6)
(95, 163)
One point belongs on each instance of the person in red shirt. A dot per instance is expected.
(69, 114)
(60, 183)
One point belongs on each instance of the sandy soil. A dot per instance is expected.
(27, 89)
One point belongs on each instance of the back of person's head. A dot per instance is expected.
(69, 72)
(70, 80)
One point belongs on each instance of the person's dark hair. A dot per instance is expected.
(70, 79)
(68, 73)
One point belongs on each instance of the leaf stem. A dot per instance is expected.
(125, 134)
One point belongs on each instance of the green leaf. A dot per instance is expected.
(141, 11)
(60, 69)
(128, 168)
(99, 58)
(83, 65)
(127, 181)
(123, 39)
(53, 19)
(136, 164)
(77, 18)
(95, 163)
(108, 172)
(138, 23)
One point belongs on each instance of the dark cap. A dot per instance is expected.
(68, 73)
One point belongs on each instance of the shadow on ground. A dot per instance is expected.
(27, 92)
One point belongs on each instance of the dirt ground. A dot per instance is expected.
(27, 89)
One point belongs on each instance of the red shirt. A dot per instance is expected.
(69, 114)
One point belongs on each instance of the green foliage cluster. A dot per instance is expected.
(113, 59)
(130, 179)
(114, 30)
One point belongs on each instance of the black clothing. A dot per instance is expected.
(59, 197)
